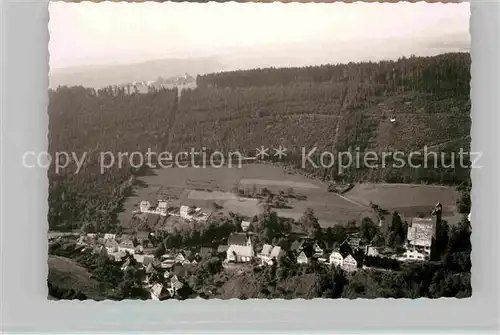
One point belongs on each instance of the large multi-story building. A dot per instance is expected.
(420, 236)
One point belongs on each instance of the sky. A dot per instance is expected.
(272, 34)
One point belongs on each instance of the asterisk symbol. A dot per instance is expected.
(280, 152)
(262, 152)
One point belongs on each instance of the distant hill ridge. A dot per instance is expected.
(99, 76)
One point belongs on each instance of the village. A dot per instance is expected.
(143, 87)
(243, 253)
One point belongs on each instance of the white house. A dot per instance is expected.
(420, 236)
(265, 254)
(371, 251)
(119, 256)
(239, 253)
(336, 258)
(156, 292)
(302, 258)
(111, 246)
(109, 236)
(414, 255)
(162, 207)
(245, 225)
(349, 264)
(180, 257)
(144, 206)
(184, 212)
(174, 285)
(269, 254)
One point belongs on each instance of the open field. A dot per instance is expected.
(279, 183)
(214, 195)
(405, 198)
(203, 187)
(244, 206)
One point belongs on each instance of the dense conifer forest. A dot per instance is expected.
(331, 107)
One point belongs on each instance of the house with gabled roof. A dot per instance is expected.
(184, 212)
(182, 256)
(245, 225)
(345, 248)
(111, 246)
(276, 253)
(144, 206)
(420, 236)
(270, 254)
(162, 207)
(336, 258)
(349, 264)
(266, 250)
(174, 285)
(159, 292)
(302, 258)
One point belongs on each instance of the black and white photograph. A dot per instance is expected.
(258, 151)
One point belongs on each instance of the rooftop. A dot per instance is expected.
(222, 248)
(266, 250)
(421, 231)
(237, 239)
(275, 252)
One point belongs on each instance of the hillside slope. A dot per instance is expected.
(65, 274)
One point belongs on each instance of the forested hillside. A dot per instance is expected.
(336, 108)
(85, 120)
(332, 107)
